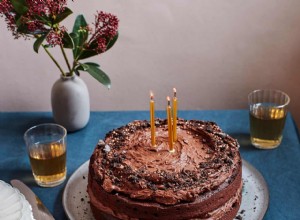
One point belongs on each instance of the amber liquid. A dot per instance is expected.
(48, 163)
(266, 126)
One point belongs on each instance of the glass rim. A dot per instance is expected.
(271, 90)
(64, 134)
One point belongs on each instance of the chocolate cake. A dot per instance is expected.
(131, 179)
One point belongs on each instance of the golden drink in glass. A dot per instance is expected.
(267, 117)
(266, 128)
(46, 146)
(48, 163)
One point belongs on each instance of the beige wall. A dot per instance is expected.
(214, 52)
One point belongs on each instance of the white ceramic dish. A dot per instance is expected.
(255, 198)
(13, 205)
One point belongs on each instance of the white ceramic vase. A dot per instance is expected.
(70, 102)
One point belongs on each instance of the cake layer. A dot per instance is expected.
(213, 205)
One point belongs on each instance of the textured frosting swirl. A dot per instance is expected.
(126, 163)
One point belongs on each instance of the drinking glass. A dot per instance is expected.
(268, 110)
(46, 147)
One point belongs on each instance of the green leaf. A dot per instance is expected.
(18, 19)
(79, 22)
(68, 41)
(96, 72)
(38, 43)
(22, 28)
(47, 46)
(60, 17)
(90, 52)
(80, 35)
(92, 64)
(86, 54)
(44, 19)
(112, 42)
(20, 6)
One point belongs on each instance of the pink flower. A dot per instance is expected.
(5, 7)
(106, 27)
(56, 6)
(50, 8)
(6, 10)
(46, 7)
(11, 26)
(54, 37)
(106, 24)
(36, 7)
(101, 42)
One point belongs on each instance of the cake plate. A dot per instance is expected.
(255, 195)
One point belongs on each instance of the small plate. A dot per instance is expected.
(255, 195)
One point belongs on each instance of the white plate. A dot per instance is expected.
(13, 205)
(255, 197)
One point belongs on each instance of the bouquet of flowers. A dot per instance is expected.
(41, 20)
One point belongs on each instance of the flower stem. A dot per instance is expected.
(66, 59)
(73, 68)
(52, 58)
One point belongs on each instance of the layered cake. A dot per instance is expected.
(131, 179)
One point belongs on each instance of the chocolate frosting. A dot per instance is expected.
(126, 163)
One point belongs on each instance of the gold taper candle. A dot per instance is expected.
(152, 119)
(174, 116)
(170, 133)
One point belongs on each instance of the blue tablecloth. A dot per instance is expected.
(280, 167)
